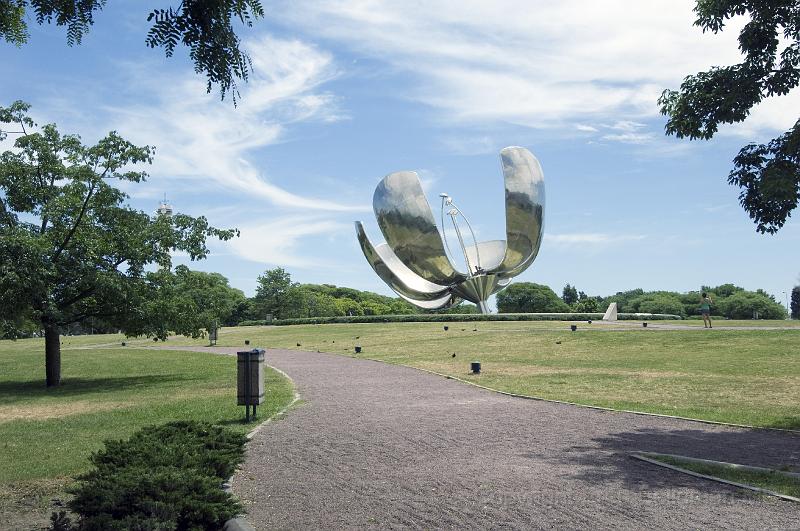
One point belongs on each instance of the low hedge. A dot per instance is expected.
(455, 317)
(163, 477)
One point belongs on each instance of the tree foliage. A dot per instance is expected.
(768, 174)
(569, 294)
(70, 248)
(272, 293)
(187, 302)
(205, 27)
(527, 297)
(795, 304)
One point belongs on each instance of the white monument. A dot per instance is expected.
(611, 312)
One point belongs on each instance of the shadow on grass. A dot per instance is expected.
(613, 464)
(12, 392)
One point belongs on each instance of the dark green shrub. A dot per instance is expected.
(163, 477)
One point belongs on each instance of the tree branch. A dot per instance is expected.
(75, 225)
(81, 316)
(80, 296)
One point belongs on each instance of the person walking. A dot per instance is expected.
(705, 309)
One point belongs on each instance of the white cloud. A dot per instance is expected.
(277, 242)
(630, 138)
(590, 238)
(537, 64)
(211, 144)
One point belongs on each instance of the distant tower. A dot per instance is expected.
(164, 209)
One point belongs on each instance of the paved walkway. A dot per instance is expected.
(376, 445)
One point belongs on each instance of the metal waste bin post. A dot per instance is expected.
(250, 380)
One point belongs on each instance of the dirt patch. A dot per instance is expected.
(27, 505)
(57, 410)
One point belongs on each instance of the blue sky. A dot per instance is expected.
(345, 92)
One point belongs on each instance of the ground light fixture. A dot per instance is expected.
(475, 367)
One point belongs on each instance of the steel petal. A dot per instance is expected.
(525, 201)
(391, 270)
(407, 222)
(436, 304)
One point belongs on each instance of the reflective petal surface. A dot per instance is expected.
(413, 261)
(491, 254)
(407, 222)
(525, 202)
(391, 270)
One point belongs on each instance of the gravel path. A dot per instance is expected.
(376, 445)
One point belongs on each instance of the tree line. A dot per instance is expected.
(729, 301)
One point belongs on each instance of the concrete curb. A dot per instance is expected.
(641, 457)
(239, 523)
(748, 468)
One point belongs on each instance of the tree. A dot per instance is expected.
(271, 293)
(525, 297)
(795, 302)
(768, 174)
(569, 294)
(659, 302)
(746, 304)
(70, 249)
(586, 305)
(203, 26)
(188, 302)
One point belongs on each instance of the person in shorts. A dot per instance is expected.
(705, 310)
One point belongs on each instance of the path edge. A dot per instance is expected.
(554, 401)
(640, 457)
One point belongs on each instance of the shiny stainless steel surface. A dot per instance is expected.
(491, 254)
(392, 271)
(525, 201)
(413, 261)
(407, 222)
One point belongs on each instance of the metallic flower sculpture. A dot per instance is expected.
(416, 259)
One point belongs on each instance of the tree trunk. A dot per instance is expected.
(52, 354)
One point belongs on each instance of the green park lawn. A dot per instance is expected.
(108, 392)
(747, 377)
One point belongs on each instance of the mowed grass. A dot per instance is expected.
(47, 435)
(747, 377)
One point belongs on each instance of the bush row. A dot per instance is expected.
(438, 318)
(163, 477)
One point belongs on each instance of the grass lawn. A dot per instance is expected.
(736, 376)
(769, 480)
(46, 435)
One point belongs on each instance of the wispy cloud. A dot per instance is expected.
(203, 140)
(278, 242)
(590, 238)
(519, 61)
(629, 138)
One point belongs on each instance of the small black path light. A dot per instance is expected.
(573, 327)
(644, 325)
(446, 328)
(358, 349)
(123, 343)
(246, 341)
(475, 366)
